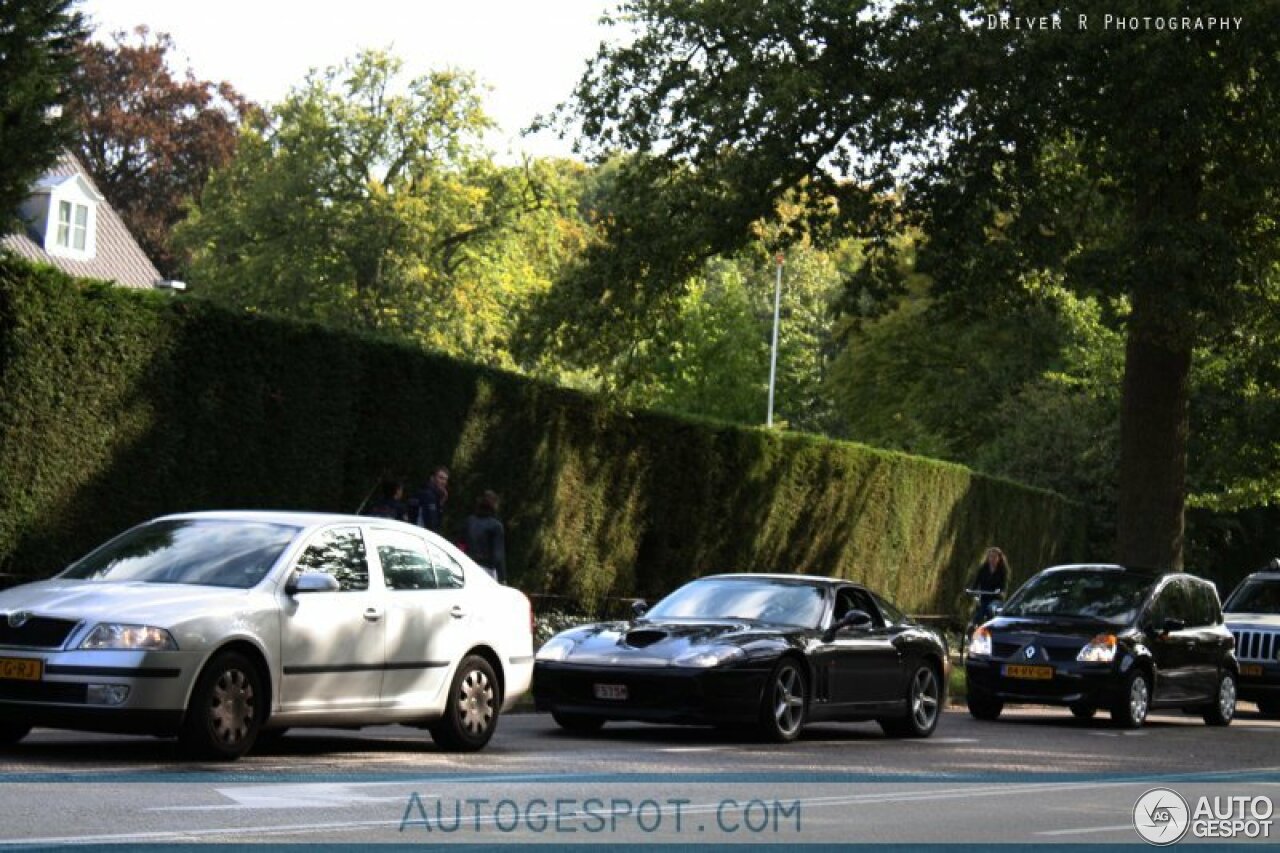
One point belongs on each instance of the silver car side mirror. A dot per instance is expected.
(312, 581)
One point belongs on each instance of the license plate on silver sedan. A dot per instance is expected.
(612, 692)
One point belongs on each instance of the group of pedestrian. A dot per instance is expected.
(481, 536)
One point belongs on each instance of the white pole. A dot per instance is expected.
(773, 358)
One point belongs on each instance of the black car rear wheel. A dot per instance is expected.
(785, 701)
(471, 714)
(923, 701)
(984, 707)
(581, 723)
(11, 733)
(1130, 710)
(1223, 709)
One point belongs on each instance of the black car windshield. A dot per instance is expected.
(1255, 597)
(207, 552)
(1108, 596)
(780, 603)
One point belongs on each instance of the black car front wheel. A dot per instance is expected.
(1130, 710)
(983, 707)
(1082, 711)
(471, 714)
(11, 733)
(579, 723)
(1269, 707)
(924, 693)
(1223, 709)
(785, 701)
(226, 710)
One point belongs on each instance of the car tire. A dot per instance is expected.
(1082, 711)
(1130, 710)
(471, 713)
(270, 738)
(11, 733)
(784, 704)
(924, 699)
(1223, 709)
(984, 707)
(1269, 708)
(578, 723)
(226, 710)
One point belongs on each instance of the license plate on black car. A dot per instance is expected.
(1039, 673)
(612, 692)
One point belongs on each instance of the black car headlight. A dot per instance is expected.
(709, 657)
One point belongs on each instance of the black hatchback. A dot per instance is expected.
(1106, 637)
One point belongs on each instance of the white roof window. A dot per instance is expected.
(70, 218)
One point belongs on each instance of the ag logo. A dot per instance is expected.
(1161, 816)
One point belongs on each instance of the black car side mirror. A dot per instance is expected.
(852, 619)
(639, 607)
(1171, 625)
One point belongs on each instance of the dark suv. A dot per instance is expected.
(1090, 637)
(1253, 616)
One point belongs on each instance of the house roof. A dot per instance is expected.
(118, 258)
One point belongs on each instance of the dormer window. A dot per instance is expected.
(73, 226)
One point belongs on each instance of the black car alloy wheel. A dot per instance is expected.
(1223, 709)
(1130, 710)
(782, 709)
(924, 693)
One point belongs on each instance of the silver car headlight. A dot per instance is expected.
(709, 657)
(557, 648)
(114, 636)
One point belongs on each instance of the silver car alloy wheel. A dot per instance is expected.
(475, 702)
(924, 698)
(233, 706)
(788, 700)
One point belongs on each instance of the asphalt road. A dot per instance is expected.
(1036, 776)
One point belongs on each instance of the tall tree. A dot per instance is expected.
(37, 53)
(1133, 160)
(148, 136)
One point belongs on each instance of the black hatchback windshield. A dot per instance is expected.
(1108, 596)
(780, 603)
(204, 552)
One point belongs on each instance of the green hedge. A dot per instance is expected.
(116, 406)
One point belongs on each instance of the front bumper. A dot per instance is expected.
(653, 694)
(1099, 685)
(71, 689)
(1258, 680)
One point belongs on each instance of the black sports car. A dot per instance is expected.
(1097, 636)
(772, 651)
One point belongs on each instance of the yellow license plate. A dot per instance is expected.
(1254, 669)
(1042, 673)
(21, 669)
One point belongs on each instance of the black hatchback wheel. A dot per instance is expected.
(11, 733)
(1223, 709)
(1082, 711)
(785, 701)
(471, 714)
(226, 709)
(924, 694)
(1130, 710)
(1269, 707)
(984, 707)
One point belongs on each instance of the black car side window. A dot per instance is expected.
(338, 551)
(1173, 602)
(1208, 611)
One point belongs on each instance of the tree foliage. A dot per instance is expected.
(37, 53)
(1130, 164)
(148, 136)
(365, 200)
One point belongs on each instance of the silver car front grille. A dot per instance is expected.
(1257, 645)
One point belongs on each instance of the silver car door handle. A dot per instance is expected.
(457, 612)
(372, 614)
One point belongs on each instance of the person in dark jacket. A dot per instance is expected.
(427, 507)
(390, 502)
(992, 578)
(485, 538)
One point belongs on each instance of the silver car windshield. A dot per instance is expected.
(1106, 596)
(206, 552)
(1255, 597)
(799, 605)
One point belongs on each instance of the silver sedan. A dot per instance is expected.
(221, 627)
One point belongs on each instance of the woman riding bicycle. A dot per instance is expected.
(991, 581)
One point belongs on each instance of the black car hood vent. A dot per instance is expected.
(643, 637)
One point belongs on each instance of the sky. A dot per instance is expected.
(530, 53)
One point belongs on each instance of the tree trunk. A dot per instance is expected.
(1153, 438)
